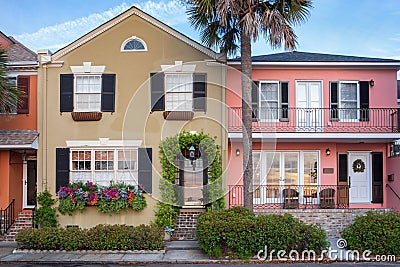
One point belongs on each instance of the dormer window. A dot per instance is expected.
(133, 44)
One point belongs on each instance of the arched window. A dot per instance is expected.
(133, 44)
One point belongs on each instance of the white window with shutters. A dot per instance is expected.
(269, 100)
(178, 91)
(87, 93)
(101, 166)
(349, 101)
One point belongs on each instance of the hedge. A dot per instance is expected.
(101, 237)
(377, 232)
(239, 233)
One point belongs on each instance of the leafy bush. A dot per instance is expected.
(45, 216)
(240, 233)
(166, 215)
(377, 232)
(101, 237)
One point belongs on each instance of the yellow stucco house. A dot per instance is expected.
(107, 100)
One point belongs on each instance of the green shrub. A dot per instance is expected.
(238, 232)
(45, 216)
(27, 238)
(377, 232)
(72, 238)
(101, 237)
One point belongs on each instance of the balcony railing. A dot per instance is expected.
(293, 196)
(328, 120)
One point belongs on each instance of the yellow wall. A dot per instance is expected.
(132, 104)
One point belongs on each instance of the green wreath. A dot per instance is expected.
(358, 165)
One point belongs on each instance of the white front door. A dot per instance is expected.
(360, 177)
(309, 106)
(29, 180)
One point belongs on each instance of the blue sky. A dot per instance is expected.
(367, 28)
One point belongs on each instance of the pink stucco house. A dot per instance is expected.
(324, 128)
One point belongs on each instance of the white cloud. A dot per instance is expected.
(57, 36)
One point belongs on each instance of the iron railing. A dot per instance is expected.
(293, 196)
(7, 217)
(395, 193)
(331, 120)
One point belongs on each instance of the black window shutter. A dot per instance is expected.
(254, 99)
(377, 177)
(157, 91)
(66, 92)
(364, 101)
(23, 85)
(62, 167)
(334, 114)
(145, 169)
(108, 92)
(199, 91)
(342, 172)
(284, 86)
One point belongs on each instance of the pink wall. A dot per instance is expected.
(380, 94)
(393, 167)
(235, 164)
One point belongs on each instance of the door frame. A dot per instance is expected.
(321, 82)
(25, 182)
(368, 170)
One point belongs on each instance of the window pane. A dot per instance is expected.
(269, 91)
(291, 168)
(310, 167)
(348, 91)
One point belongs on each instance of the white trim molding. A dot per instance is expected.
(104, 142)
(134, 50)
(179, 67)
(88, 68)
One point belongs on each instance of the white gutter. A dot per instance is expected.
(320, 64)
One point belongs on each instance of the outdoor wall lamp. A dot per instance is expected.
(327, 151)
(237, 152)
(371, 82)
(191, 154)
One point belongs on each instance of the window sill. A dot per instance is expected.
(86, 116)
(178, 115)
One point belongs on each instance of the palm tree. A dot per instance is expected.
(227, 23)
(9, 93)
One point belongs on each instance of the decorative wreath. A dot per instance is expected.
(358, 165)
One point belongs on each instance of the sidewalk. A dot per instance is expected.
(175, 252)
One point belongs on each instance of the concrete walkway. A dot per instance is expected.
(175, 252)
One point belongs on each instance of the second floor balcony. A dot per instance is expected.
(324, 120)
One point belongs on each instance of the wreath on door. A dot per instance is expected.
(358, 165)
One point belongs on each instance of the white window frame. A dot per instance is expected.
(133, 173)
(340, 102)
(76, 77)
(260, 99)
(186, 92)
(132, 38)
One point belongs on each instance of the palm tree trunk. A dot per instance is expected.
(246, 62)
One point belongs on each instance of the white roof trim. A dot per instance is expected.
(104, 142)
(317, 64)
(133, 11)
(179, 67)
(34, 145)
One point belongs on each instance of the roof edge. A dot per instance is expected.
(121, 17)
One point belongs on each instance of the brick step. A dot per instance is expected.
(186, 226)
(23, 221)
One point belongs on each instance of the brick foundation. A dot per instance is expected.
(186, 225)
(333, 221)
